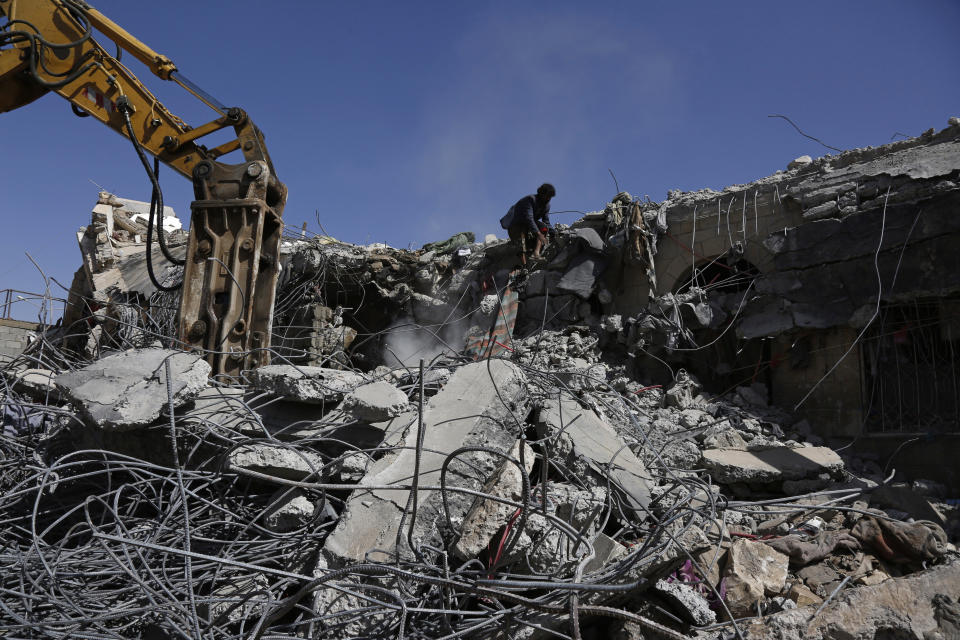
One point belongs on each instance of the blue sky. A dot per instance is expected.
(405, 122)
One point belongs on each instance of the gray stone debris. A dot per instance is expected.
(686, 601)
(684, 391)
(291, 510)
(129, 390)
(724, 438)
(375, 401)
(284, 462)
(910, 607)
(36, 383)
(766, 466)
(753, 570)
(802, 161)
(316, 385)
(612, 323)
(487, 516)
(579, 435)
(544, 548)
(606, 550)
(470, 409)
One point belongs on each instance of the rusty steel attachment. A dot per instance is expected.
(230, 276)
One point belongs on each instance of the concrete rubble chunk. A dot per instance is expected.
(686, 601)
(291, 510)
(725, 438)
(544, 548)
(474, 407)
(606, 550)
(578, 434)
(287, 462)
(683, 392)
(765, 466)
(375, 402)
(487, 516)
(128, 390)
(910, 607)
(802, 595)
(802, 161)
(36, 383)
(316, 385)
(753, 570)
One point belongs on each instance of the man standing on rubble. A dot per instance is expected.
(530, 218)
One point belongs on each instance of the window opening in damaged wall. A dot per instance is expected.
(910, 367)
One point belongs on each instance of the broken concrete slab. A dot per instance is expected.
(222, 408)
(582, 437)
(753, 570)
(903, 608)
(606, 550)
(315, 385)
(283, 461)
(36, 383)
(475, 407)
(486, 516)
(766, 466)
(290, 510)
(543, 548)
(128, 390)
(686, 601)
(375, 402)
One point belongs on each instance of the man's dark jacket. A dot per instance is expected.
(527, 213)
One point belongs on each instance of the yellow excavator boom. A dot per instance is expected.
(231, 267)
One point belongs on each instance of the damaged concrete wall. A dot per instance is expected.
(825, 238)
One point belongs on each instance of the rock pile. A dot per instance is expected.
(521, 479)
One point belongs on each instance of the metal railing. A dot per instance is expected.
(12, 296)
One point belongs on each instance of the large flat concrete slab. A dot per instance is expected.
(765, 466)
(578, 433)
(473, 408)
(128, 390)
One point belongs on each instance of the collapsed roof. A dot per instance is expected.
(447, 444)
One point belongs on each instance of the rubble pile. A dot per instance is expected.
(543, 491)
(447, 444)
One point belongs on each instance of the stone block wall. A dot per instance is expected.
(15, 336)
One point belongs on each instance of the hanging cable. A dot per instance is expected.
(156, 198)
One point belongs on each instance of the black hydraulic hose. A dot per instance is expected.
(156, 201)
(124, 108)
(150, 219)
